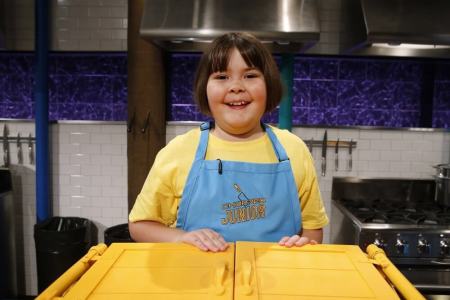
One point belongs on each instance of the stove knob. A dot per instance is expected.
(444, 247)
(423, 247)
(379, 243)
(400, 245)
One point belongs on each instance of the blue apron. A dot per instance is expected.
(241, 201)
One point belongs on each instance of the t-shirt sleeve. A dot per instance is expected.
(313, 210)
(157, 200)
(162, 190)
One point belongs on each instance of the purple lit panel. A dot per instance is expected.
(322, 116)
(442, 95)
(323, 94)
(374, 117)
(441, 119)
(324, 69)
(352, 70)
(186, 113)
(182, 68)
(405, 118)
(82, 86)
(301, 93)
(120, 111)
(302, 68)
(300, 115)
(120, 90)
(90, 89)
(394, 70)
(271, 117)
(352, 94)
(16, 110)
(85, 111)
(381, 94)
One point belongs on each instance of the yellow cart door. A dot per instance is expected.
(157, 271)
(312, 272)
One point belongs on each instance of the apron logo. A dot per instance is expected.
(243, 210)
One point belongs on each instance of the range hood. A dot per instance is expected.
(188, 25)
(396, 27)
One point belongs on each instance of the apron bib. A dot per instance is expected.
(241, 201)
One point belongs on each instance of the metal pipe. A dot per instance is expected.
(43, 208)
(287, 77)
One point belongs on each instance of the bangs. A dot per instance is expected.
(219, 59)
(220, 56)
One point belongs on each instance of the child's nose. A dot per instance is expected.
(237, 87)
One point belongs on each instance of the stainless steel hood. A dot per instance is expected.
(396, 27)
(186, 25)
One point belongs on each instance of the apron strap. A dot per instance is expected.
(203, 144)
(204, 135)
(279, 149)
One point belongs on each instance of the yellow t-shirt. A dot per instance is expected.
(163, 188)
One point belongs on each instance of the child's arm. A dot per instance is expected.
(151, 231)
(308, 236)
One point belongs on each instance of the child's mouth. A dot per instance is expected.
(238, 104)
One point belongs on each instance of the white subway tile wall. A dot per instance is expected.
(75, 25)
(88, 177)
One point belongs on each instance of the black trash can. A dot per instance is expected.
(60, 242)
(118, 234)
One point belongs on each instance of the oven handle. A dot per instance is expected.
(434, 287)
(440, 262)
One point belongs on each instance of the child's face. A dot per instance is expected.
(237, 97)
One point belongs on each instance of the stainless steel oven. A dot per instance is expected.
(400, 216)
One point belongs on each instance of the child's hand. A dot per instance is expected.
(296, 240)
(204, 239)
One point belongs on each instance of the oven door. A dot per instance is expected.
(433, 281)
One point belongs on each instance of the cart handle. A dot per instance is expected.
(408, 291)
(60, 285)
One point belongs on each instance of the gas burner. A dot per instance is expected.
(364, 209)
(371, 217)
(383, 211)
(401, 218)
(444, 218)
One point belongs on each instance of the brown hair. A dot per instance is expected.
(216, 58)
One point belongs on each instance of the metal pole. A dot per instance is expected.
(287, 77)
(43, 208)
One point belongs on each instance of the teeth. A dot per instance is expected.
(237, 103)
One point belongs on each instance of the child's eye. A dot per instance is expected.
(220, 76)
(252, 75)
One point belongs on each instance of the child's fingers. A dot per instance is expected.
(289, 241)
(292, 240)
(197, 242)
(206, 240)
(302, 241)
(283, 240)
(217, 239)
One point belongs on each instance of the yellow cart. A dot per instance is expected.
(247, 270)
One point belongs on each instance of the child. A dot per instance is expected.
(234, 178)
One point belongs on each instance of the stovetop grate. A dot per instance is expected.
(383, 211)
